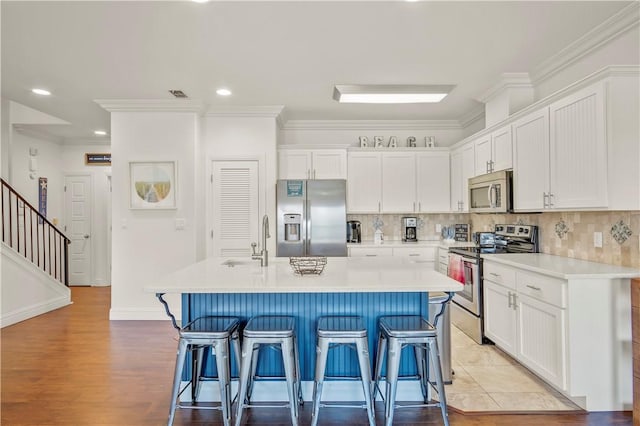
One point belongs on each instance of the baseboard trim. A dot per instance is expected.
(33, 311)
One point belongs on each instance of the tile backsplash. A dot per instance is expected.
(569, 234)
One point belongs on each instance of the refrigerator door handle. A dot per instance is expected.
(307, 249)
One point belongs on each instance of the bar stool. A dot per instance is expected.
(199, 334)
(273, 331)
(333, 332)
(396, 333)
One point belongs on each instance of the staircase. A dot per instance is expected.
(34, 270)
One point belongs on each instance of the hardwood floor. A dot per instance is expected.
(75, 367)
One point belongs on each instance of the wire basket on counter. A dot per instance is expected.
(311, 265)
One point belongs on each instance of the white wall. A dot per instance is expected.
(324, 135)
(4, 138)
(73, 162)
(145, 243)
(249, 138)
(623, 50)
(49, 165)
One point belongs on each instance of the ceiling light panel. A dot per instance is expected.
(223, 92)
(41, 92)
(390, 94)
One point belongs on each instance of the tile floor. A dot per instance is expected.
(486, 379)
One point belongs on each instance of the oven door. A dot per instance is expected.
(469, 296)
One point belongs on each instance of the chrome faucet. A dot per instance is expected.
(264, 254)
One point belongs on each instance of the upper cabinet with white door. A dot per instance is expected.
(560, 154)
(398, 181)
(493, 151)
(462, 168)
(312, 164)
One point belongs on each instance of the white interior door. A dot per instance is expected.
(78, 227)
(235, 212)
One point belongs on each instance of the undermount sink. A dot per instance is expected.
(235, 262)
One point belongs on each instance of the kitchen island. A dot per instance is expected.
(369, 287)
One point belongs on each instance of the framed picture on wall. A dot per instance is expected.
(152, 185)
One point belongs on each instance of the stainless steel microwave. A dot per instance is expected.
(491, 193)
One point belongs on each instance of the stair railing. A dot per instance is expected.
(31, 235)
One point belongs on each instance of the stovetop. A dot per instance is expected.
(506, 239)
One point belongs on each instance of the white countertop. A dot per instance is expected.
(340, 275)
(419, 243)
(562, 267)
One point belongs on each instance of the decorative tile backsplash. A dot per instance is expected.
(573, 239)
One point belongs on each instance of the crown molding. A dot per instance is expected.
(472, 116)
(271, 111)
(150, 105)
(87, 141)
(372, 125)
(508, 80)
(618, 24)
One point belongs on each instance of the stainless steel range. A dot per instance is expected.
(465, 265)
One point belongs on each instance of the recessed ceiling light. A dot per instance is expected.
(41, 92)
(390, 94)
(99, 133)
(223, 92)
(200, 1)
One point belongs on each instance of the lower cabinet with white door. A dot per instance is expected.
(422, 253)
(568, 324)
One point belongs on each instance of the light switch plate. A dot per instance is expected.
(180, 224)
(438, 227)
(597, 239)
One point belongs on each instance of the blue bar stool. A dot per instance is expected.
(333, 332)
(396, 333)
(272, 331)
(199, 334)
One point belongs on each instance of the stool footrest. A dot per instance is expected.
(340, 405)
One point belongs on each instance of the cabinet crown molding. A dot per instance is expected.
(270, 111)
(372, 125)
(151, 105)
(508, 80)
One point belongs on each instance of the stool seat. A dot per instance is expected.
(395, 333)
(218, 333)
(407, 326)
(336, 331)
(352, 327)
(270, 326)
(209, 327)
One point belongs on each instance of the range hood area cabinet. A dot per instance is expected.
(462, 168)
(398, 182)
(312, 164)
(493, 151)
(581, 151)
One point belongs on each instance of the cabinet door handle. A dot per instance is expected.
(419, 206)
(414, 254)
(509, 295)
(308, 174)
(533, 287)
(414, 206)
(515, 302)
(378, 206)
(551, 204)
(491, 165)
(371, 255)
(545, 202)
(493, 274)
(314, 173)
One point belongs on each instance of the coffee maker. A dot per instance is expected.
(410, 229)
(354, 231)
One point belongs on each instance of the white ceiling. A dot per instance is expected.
(275, 53)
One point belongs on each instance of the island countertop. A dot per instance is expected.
(340, 275)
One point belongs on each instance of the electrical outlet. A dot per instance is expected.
(438, 227)
(597, 239)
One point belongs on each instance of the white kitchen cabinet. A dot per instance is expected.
(531, 161)
(364, 182)
(370, 251)
(500, 316)
(560, 154)
(312, 164)
(578, 150)
(462, 168)
(493, 151)
(442, 262)
(525, 316)
(432, 182)
(398, 182)
(421, 254)
(541, 339)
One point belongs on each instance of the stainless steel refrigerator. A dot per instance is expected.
(311, 218)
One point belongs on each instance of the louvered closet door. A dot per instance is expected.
(235, 208)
